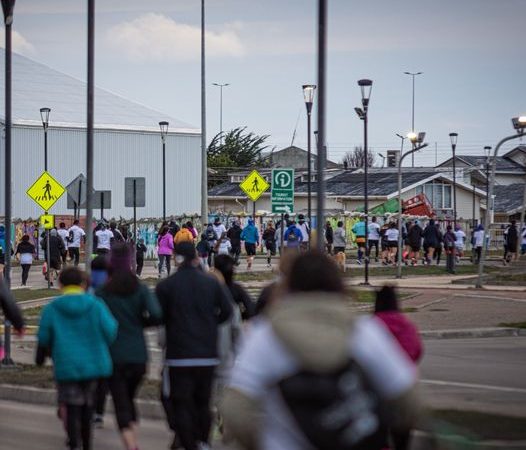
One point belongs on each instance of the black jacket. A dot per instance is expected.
(10, 309)
(414, 236)
(234, 234)
(25, 247)
(193, 305)
(432, 235)
(56, 247)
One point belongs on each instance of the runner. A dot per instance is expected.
(305, 232)
(460, 241)
(234, 234)
(269, 238)
(203, 252)
(414, 239)
(329, 237)
(340, 238)
(250, 235)
(223, 245)
(219, 228)
(293, 237)
(512, 242)
(359, 232)
(75, 236)
(431, 241)
(25, 251)
(56, 248)
(63, 234)
(165, 246)
(374, 237)
(103, 239)
(478, 242)
(392, 243)
(449, 240)
(193, 305)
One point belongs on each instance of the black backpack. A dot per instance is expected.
(210, 234)
(338, 410)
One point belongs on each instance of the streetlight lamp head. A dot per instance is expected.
(519, 123)
(308, 95)
(164, 128)
(44, 115)
(453, 137)
(365, 87)
(360, 112)
(413, 137)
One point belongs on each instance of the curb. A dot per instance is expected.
(473, 333)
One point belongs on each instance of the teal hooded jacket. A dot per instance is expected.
(78, 329)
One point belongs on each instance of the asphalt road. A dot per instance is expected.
(486, 374)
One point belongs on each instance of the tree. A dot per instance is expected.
(355, 158)
(235, 149)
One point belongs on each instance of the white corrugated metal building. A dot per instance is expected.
(127, 143)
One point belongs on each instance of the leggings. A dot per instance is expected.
(25, 272)
(124, 383)
(166, 259)
(78, 423)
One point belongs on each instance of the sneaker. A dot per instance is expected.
(359, 262)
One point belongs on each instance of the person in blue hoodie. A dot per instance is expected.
(359, 232)
(250, 235)
(76, 330)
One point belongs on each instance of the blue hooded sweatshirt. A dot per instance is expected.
(250, 233)
(78, 329)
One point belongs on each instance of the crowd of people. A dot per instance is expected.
(252, 367)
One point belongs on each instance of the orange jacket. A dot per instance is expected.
(183, 235)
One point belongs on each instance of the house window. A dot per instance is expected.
(439, 194)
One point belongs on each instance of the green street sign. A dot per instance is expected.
(282, 195)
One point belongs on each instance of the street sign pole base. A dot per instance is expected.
(364, 283)
(7, 363)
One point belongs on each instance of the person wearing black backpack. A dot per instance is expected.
(312, 375)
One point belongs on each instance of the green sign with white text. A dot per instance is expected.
(282, 195)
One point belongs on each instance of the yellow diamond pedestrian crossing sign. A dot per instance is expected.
(254, 185)
(45, 191)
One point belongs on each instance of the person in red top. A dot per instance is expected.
(406, 334)
(403, 330)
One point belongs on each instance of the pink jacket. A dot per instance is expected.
(165, 244)
(404, 331)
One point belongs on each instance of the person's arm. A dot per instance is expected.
(108, 323)
(152, 313)
(223, 303)
(242, 236)
(44, 337)
(11, 310)
(247, 302)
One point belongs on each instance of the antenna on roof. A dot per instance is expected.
(296, 127)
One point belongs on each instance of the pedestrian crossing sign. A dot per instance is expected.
(254, 185)
(45, 191)
(47, 221)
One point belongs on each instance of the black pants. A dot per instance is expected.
(124, 383)
(164, 259)
(74, 254)
(140, 264)
(100, 396)
(190, 392)
(478, 253)
(25, 272)
(450, 261)
(373, 243)
(235, 251)
(64, 257)
(78, 423)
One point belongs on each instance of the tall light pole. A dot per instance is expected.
(413, 75)
(164, 130)
(221, 86)
(44, 115)
(454, 137)
(487, 152)
(308, 94)
(418, 144)
(519, 123)
(204, 161)
(402, 138)
(322, 87)
(365, 87)
(8, 7)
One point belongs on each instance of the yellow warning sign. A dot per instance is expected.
(254, 185)
(47, 221)
(45, 191)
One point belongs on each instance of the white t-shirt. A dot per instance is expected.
(104, 238)
(264, 360)
(392, 234)
(304, 228)
(63, 234)
(460, 237)
(479, 238)
(219, 230)
(224, 247)
(78, 233)
(374, 231)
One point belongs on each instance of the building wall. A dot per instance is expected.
(118, 154)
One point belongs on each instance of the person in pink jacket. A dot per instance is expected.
(406, 334)
(165, 246)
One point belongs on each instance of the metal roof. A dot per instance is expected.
(508, 199)
(36, 85)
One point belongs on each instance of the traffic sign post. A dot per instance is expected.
(135, 197)
(282, 196)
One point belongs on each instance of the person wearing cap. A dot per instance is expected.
(305, 232)
(193, 304)
(250, 235)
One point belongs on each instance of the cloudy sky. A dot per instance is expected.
(471, 53)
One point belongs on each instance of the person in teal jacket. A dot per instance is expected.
(76, 330)
(250, 235)
(359, 232)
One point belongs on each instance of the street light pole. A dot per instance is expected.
(365, 87)
(454, 137)
(204, 162)
(487, 150)
(221, 86)
(44, 114)
(519, 124)
(308, 94)
(403, 138)
(164, 130)
(415, 139)
(413, 75)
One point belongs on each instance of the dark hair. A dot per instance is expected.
(189, 224)
(164, 230)
(386, 299)
(76, 222)
(392, 225)
(225, 265)
(122, 281)
(25, 238)
(314, 271)
(340, 223)
(72, 276)
(100, 263)
(187, 251)
(62, 225)
(373, 219)
(113, 225)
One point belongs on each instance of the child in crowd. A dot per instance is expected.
(79, 358)
(223, 245)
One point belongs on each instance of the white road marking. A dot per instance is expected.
(474, 386)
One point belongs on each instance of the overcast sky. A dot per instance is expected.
(471, 52)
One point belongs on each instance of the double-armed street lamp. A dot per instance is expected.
(308, 94)
(413, 75)
(418, 144)
(221, 86)
(164, 131)
(454, 137)
(365, 87)
(519, 124)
